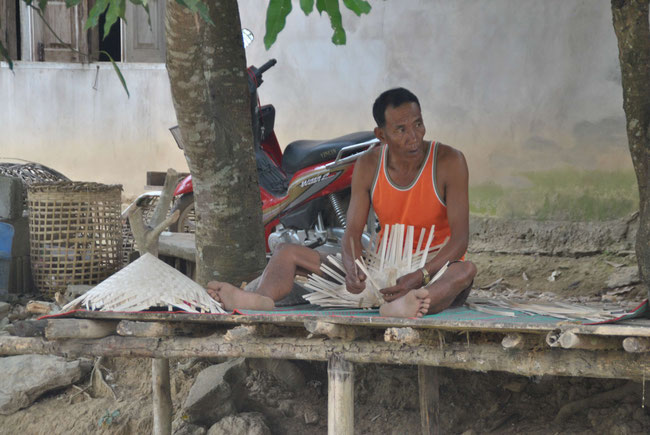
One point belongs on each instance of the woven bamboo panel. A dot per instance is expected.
(75, 233)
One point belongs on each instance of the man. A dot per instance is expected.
(413, 182)
(407, 180)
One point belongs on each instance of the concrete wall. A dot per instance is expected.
(78, 120)
(516, 84)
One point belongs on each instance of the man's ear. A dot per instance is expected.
(379, 133)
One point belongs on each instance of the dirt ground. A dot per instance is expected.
(386, 399)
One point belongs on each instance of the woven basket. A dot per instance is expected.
(75, 233)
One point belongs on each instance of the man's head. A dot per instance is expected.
(399, 122)
(391, 98)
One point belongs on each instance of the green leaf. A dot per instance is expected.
(357, 6)
(120, 76)
(307, 6)
(95, 12)
(320, 6)
(5, 54)
(116, 9)
(276, 18)
(198, 7)
(42, 4)
(332, 9)
(72, 3)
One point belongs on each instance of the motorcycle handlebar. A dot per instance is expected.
(266, 66)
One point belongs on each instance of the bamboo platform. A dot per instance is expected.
(488, 343)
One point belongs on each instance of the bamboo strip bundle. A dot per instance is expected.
(561, 310)
(382, 266)
(147, 282)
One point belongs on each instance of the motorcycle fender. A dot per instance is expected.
(185, 186)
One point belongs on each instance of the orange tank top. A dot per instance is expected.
(418, 204)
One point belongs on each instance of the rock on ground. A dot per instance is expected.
(283, 370)
(26, 377)
(247, 423)
(624, 276)
(211, 396)
(181, 427)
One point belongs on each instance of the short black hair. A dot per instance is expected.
(393, 98)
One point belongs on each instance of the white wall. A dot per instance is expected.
(516, 84)
(78, 120)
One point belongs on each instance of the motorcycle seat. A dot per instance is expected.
(303, 153)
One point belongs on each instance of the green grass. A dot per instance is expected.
(561, 194)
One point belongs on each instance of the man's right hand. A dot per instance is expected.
(355, 279)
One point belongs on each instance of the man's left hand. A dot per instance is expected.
(404, 285)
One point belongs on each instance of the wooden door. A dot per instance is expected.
(144, 43)
(68, 24)
(8, 31)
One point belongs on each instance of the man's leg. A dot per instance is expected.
(453, 287)
(276, 281)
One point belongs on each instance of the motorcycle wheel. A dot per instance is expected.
(186, 222)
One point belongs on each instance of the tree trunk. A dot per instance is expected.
(207, 71)
(633, 34)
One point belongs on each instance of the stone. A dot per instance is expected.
(624, 276)
(211, 397)
(287, 407)
(311, 416)
(182, 427)
(285, 371)
(26, 377)
(4, 309)
(246, 423)
(515, 386)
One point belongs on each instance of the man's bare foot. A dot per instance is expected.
(413, 304)
(233, 298)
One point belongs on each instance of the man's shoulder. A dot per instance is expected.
(368, 161)
(449, 155)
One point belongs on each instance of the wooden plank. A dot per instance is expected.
(627, 330)
(58, 329)
(616, 364)
(179, 245)
(332, 330)
(429, 400)
(403, 335)
(162, 399)
(340, 396)
(130, 328)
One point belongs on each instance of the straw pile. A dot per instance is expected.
(382, 266)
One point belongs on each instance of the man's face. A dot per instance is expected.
(404, 130)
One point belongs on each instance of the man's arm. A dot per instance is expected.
(357, 215)
(453, 178)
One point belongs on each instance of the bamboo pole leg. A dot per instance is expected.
(162, 399)
(429, 400)
(340, 396)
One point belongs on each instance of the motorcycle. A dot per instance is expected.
(305, 190)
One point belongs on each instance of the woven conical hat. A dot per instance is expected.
(145, 283)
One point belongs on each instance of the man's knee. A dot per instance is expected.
(291, 252)
(464, 273)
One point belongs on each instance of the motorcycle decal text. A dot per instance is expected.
(314, 180)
